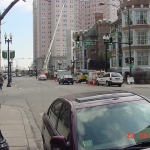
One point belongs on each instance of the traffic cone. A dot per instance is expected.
(93, 82)
(76, 82)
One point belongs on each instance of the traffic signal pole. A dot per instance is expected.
(8, 8)
(129, 42)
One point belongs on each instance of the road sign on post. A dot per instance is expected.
(12, 54)
(130, 65)
(4, 54)
(89, 43)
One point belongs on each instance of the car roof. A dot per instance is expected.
(101, 96)
(66, 75)
(112, 72)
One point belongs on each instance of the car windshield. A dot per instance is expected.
(113, 126)
(116, 75)
(67, 76)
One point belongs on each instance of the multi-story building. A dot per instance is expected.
(85, 11)
(76, 15)
(116, 47)
(91, 55)
(41, 31)
(139, 16)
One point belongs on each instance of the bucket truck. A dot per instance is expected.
(46, 62)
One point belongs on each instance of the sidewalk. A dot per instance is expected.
(14, 125)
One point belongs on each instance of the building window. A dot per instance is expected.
(127, 37)
(142, 37)
(142, 58)
(113, 61)
(93, 50)
(141, 17)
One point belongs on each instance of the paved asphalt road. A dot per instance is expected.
(34, 97)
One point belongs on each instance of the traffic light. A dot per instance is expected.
(132, 60)
(78, 40)
(127, 60)
(110, 40)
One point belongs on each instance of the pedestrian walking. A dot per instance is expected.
(1, 81)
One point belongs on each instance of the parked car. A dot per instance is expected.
(19, 75)
(30, 75)
(42, 77)
(3, 144)
(110, 78)
(66, 79)
(14, 75)
(97, 120)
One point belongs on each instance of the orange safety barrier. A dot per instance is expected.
(89, 83)
(93, 82)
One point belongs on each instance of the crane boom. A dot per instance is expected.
(45, 66)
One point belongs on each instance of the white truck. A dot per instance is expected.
(62, 72)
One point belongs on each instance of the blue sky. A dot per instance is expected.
(19, 22)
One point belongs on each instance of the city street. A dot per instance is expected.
(34, 97)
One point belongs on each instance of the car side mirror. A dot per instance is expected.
(59, 142)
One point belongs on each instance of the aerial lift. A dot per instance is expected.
(46, 62)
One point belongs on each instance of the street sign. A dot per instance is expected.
(4, 54)
(130, 65)
(89, 43)
(11, 54)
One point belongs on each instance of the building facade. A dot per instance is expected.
(41, 31)
(76, 15)
(116, 47)
(91, 51)
(139, 15)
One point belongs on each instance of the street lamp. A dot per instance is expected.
(106, 39)
(10, 64)
(129, 42)
(8, 41)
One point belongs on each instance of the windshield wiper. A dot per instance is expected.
(139, 146)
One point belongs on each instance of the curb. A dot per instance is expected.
(27, 129)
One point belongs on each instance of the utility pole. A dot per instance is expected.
(129, 43)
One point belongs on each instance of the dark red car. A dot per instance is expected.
(97, 121)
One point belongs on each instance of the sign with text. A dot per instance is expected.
(89, 43)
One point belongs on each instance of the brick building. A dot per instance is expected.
(139, 14)
(87, 55)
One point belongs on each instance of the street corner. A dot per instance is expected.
(15, 128)
(13, 87)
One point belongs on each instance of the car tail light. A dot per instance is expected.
(110, 78)
(72, 78)
(64, 78)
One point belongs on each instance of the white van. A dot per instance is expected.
(93, 75)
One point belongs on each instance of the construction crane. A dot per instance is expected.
(46, 62)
